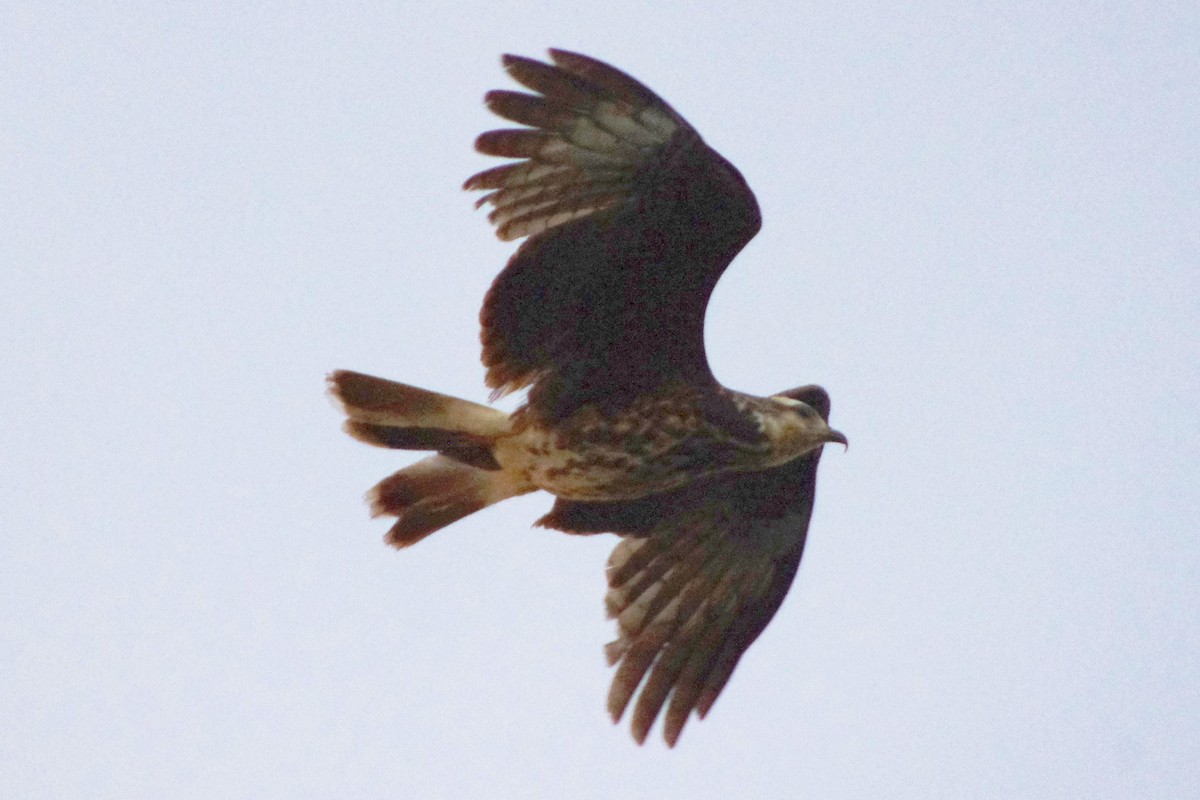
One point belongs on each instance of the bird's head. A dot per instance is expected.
(807, 411)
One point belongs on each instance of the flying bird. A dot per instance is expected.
(629, 220)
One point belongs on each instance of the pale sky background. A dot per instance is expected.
(982, 235)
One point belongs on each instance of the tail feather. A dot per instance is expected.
(464, 447)
(381, 402)
(436, 491)
(429, 495)
(395, 415)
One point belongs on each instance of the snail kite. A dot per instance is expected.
(629, 219)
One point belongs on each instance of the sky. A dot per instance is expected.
(981, 235)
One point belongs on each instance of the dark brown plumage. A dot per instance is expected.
(700, 573)
(631, 219)
(658, 202)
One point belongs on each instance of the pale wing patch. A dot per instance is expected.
(590, 130)
(658, 123)
(677, 596)
(650, 128)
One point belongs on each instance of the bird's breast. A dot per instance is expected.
(658, 444)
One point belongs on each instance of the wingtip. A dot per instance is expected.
(638, 735)
(333, 389)
(566, 59)
(489, 98)
(559, 57)
(558, 54)
(511, 61)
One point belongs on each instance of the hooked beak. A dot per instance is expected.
(837, 436)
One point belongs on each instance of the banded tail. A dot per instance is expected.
(461, 479)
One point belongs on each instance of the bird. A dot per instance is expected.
(628, 219)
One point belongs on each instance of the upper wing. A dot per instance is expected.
(631, 220)
(699, 574)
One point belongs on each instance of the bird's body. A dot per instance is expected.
(631, 219)
(661, 441)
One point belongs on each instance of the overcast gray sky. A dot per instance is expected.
(982, 235)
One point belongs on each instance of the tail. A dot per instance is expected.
(434, 492)
(430, 494)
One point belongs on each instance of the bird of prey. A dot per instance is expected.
(629, 219)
